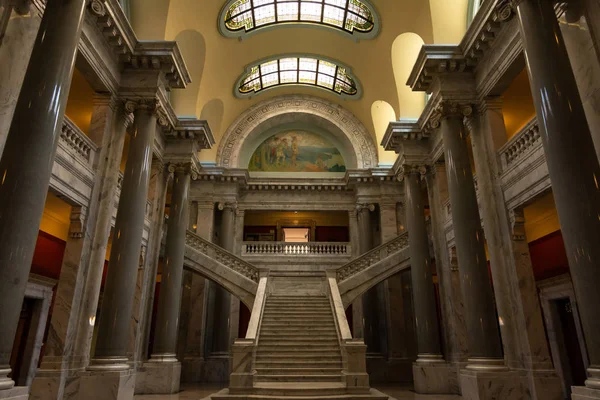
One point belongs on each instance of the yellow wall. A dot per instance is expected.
(517, 108)
(382, 114)
(56, 217)
(541, 218)
(80, 103)
(270, 218)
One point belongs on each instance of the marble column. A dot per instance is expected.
(113, 330)
(165, 339)
(428, 334)
(577, 25)
(27, 160)
(157, 194)
(485, 350)
(523, 337)
(363, 244)
(163, 371)
(572, 162)
(223, 297)
(455, 335)
(15, 50)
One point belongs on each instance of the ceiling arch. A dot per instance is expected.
(241, 137)
(193, 49)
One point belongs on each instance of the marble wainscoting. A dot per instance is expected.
(158, 378)
(16, 393)
(503, 385)
(107, 385)
(584, 393)
(435, 378)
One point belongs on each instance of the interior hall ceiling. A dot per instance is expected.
(216, 62)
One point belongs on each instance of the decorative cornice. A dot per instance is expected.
(163, 56)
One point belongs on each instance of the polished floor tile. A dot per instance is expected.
(197, 392)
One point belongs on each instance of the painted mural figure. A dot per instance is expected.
(297, 151)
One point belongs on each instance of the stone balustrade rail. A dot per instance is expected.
(222, 256)
(299, 249)
(520, 145)
(372, 257)
(75, 139)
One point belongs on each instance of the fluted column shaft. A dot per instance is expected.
(26, 163)
(117, 303)
(365, 236)
(482, 326)
(572, 161)
(428, 333)
(169, 301)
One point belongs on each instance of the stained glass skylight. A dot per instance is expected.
(348, 15)
(298, 71)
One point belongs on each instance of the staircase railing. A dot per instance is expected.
(354, 351)
(222, 256)
(372, 257)
(300, 249)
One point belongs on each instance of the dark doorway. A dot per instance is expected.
(571, 357)
(20, 343)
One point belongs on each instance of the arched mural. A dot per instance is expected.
(296, 151)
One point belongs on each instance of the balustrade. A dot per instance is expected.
(75, 139)
(300, 249)
(520, 145)
(372, 257)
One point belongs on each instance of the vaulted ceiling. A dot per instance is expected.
(381, 64)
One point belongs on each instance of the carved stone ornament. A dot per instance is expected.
(186, 167)
(97, 8)
(505, 10)
(368, 206)
(517, 222)
(223, 205)
(77, 225)
(401, 173)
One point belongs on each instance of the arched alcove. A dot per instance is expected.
(193, 49)
(383, 113)
(405, 51)
(449, 20)
(148, 18)
(323, 117)
(212, 112)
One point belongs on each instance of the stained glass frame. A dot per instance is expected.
(239, 17)
(307, 70)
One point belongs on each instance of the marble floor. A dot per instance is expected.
(198, 392)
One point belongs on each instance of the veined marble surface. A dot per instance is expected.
(195, 392)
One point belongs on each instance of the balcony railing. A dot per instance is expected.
(299, 249)
(75, 139)
(520, 145)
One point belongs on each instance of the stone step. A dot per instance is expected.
(295, 311)
(298, 344)
(298, 371)
(275, 354)
(299, 340)
(287, 355)
(298, 378)
(286, 363)
(287, 318)
(298, 302)
(317, 391)
(316, 350)
(299, 335)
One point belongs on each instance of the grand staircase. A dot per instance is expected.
(298, 345)
(298, 342)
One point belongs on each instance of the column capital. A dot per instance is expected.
(452, 109)
(412, 169)
(506, 9)
(232, 205)
(363, 206)
(186, 167)
(151, 105)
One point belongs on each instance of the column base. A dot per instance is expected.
(216, 368)
(584, 393)
(49, 384)
(156, 377)
(544, 385)
(192, 369)
(480, 385)
(107, 385)
(15, 393)
(435, 378)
